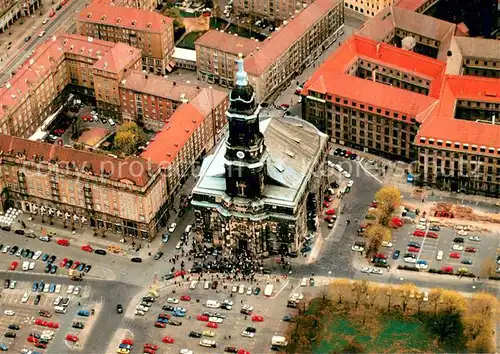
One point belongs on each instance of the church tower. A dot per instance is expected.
(245, 158)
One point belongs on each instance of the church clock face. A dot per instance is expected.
(240, 154)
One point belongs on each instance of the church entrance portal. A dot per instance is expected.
(242, 246)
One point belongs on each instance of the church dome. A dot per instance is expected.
(242, 96)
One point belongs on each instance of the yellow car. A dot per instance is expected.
(208, 334)
(123, 351)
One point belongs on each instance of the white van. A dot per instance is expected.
(207, 285)
(303, 282)
(60, 309)
(213, 304)
(193, 284)
(241, 289)
(279, 341)
(58, 300)
(26, 265)
(208, 343)
(111, 122)
(25, 298)
(439, 256)
(188, 229)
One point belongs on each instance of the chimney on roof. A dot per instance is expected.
(174, 83)
(146, 77)
(150, 25)
(105, 65)
(378, 48)
(118, 20)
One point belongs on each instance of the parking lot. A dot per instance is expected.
(25, 313)
(229, 332)
(468, 251)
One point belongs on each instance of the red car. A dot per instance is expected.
(148, 351)
(179, 273)
(186, 298)
(419, 233)
(413, 249)
(326, 204)
(62, 242)
(40, 322)
(381, 255)
(75, 264)
(59, 131)
(160, 324)
(168, 340)
(151, 346)
(53, 325)
(432, 235)
(396, 222)
(447, 269)
(164, 315)
(243, 351)
(257, 318)
(87, 248)
(285, 105)
(454, 255)
(63, 262)
(87, 118)
(470, 249)
(32, 339)
(328, 218)
(40, 345)
(128, 341)
(374, 204)
(202, 318)
(13, 265)
(212, 325)
(71, 338)
(330, 212)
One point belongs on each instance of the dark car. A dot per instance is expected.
(458, 240)
(10, 334)
(78, 325)
(119, 308)
(30, 254)
(15, 327)
(37, 299)
(337, 151)
(167, 308)
(174, 323)
(45, 257)
(293, 254)
(53, 269)
(100, 252)
(256, 291)
(158, 255)
(434, 228)
(194, 334)
(6, 283)
(288, 318)
(466, 261)
(58, 7)
(80, 267)
(353, 156)
(395, 255)
(231, 350)
(52, 259)
(168, 276)
(87, 268)
(30, 235)
(6, 228)
(27, 39)
(275, 348)
(25, 253)
(20, 232)
(68, 264)
(48, 268)
(214, 285)
(13, 250)
(136, 260)
(305, 249)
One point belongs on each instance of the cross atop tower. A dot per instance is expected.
(241, 75)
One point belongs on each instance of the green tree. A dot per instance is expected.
(128, 138)
(175, 14)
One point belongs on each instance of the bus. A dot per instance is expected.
(268, 291)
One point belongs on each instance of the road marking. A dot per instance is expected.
(368, 172)
(280, 290)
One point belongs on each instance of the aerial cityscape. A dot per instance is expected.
(209, 176)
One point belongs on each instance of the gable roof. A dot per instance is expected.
(227, 43)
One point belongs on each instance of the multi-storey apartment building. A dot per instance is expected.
(149, 31)
(216, 53)
(190, 133)
(125, 196)
(373, 96)
(272, 10)
(294, 46)
(404, 28)
(135, 4)
(474, 56)
(420, 6)
(152, 100)
(37, 89)
(368, 8)
(459, 144)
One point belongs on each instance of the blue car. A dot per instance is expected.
(162, 319)
(3, 347)
(41, 285)
(52, 288)
(53, 270)
(179, 314)
(165, 237)
(35, 286)
(45, 257)
(305, 249)
(84, 313)
(125, 346)
(80, 267)
(395, 255)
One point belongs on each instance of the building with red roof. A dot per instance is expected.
(134, 4)
(373, 95)
(146, 30)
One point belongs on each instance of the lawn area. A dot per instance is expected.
(389, 334)
(217, 23)
(188, 41)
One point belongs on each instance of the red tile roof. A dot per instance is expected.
(129, 170)
(412, 5)
(119, 57)
(441, 124)
(228, 43)
(124, 17)
(170, 140)
(332, 76)
(281, 40)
